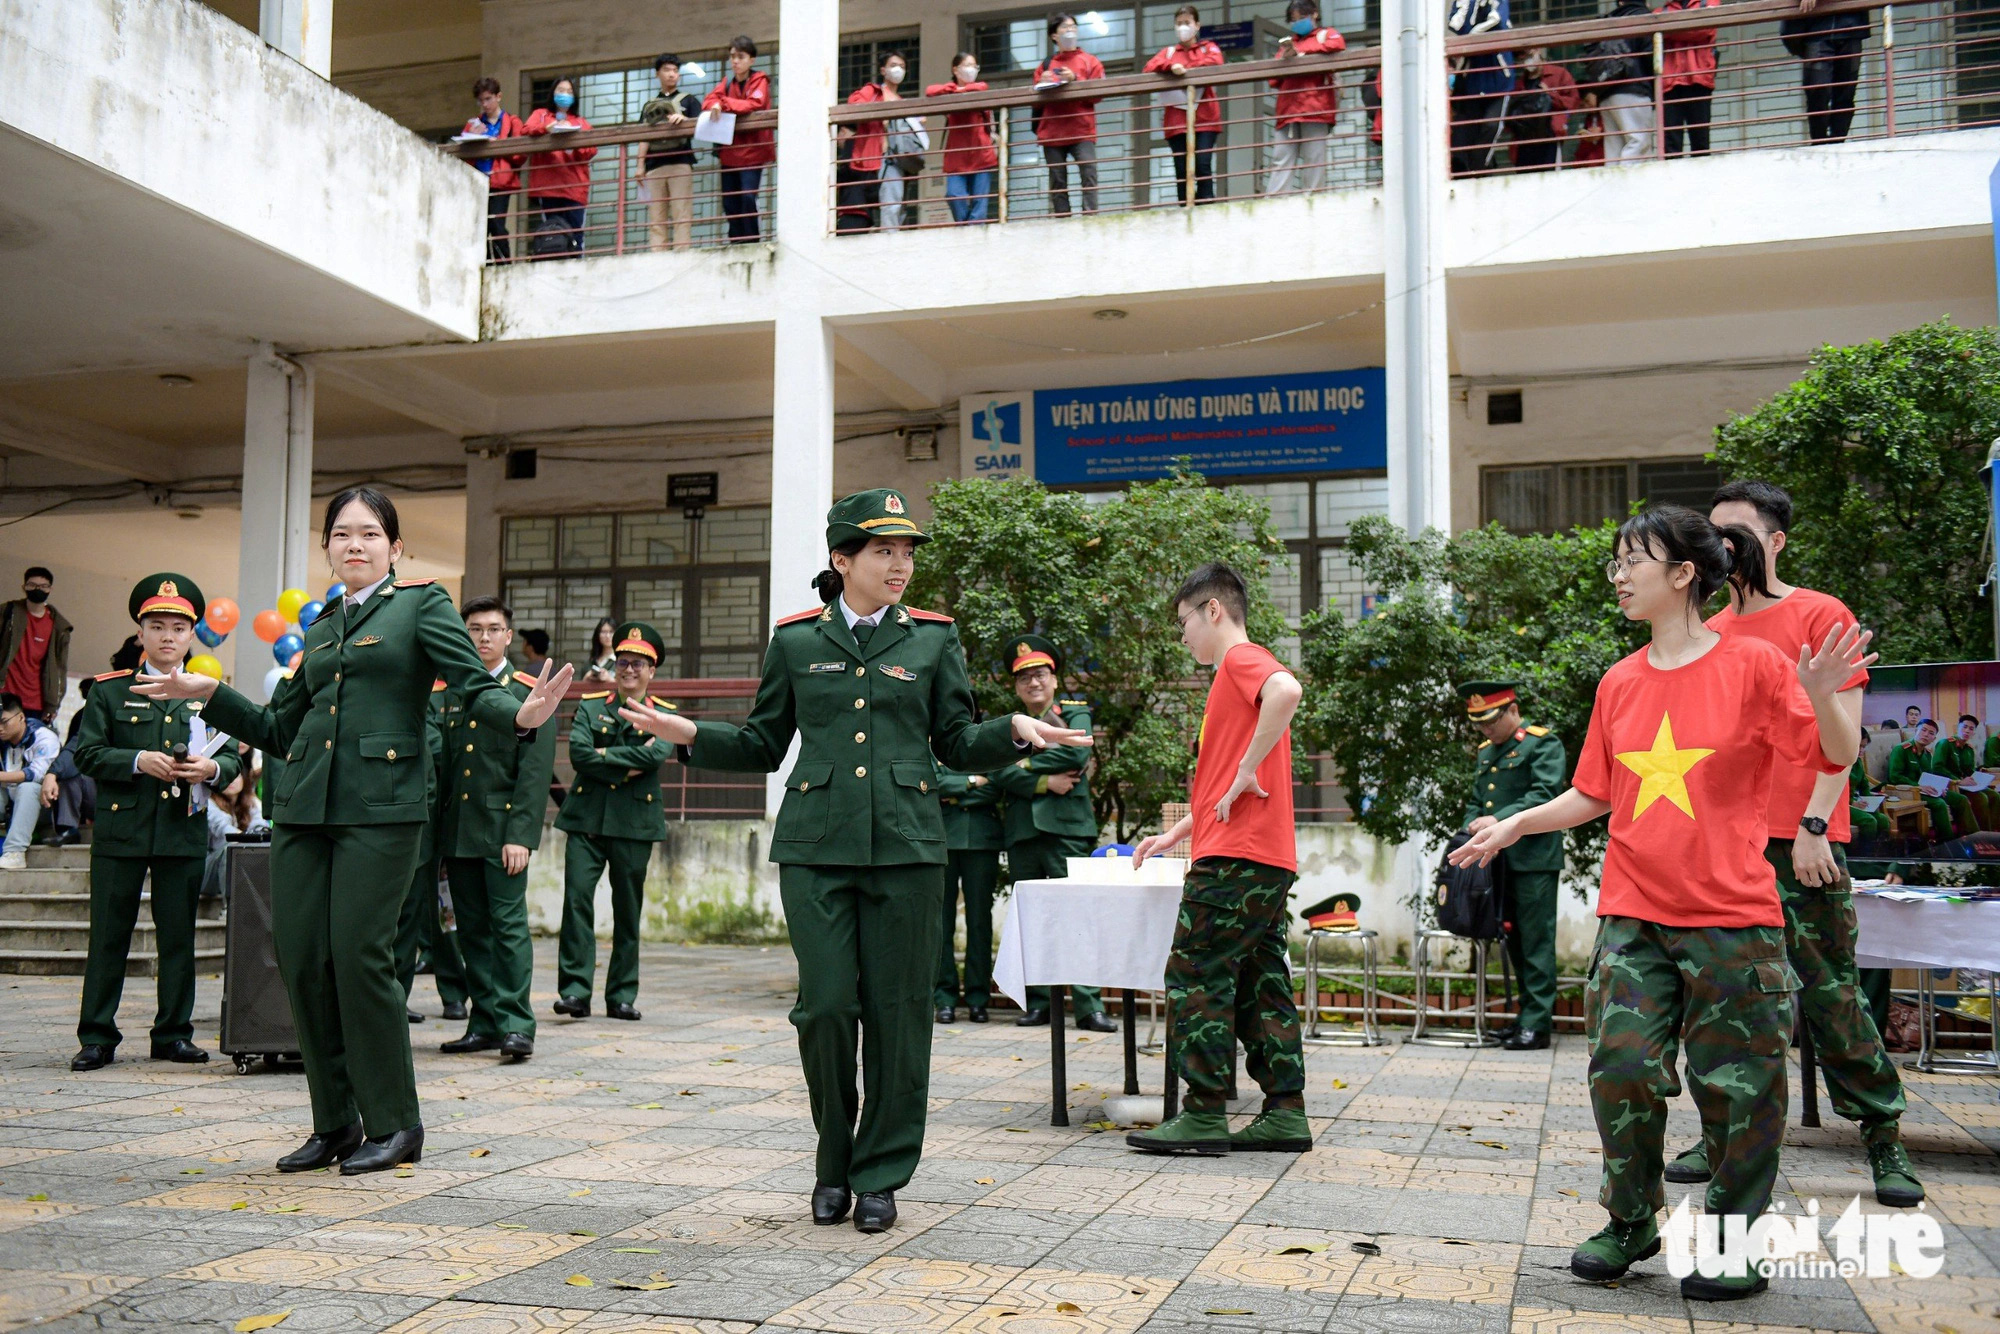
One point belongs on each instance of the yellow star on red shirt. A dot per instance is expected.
(1663, 770)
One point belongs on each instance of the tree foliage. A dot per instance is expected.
(1880, 446)
(1012, 556)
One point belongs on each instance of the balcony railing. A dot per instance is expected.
(685, 793)
(1721, 80)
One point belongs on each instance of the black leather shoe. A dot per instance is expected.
(322, 1150)
(180, 1050)
(60, 838)
(1507, 1030)
(830, 1204)
(1098, 1022)
(471, 1042)
(1032, 1019)
(976, 1013)
(379, 1155)
(875, 1211)
(413, 1016)
(1526, 1039)
(92, 1057)
(576, 1007)
(620, 1010)
(946, 1015)
(517, 1046)
(454, 1009)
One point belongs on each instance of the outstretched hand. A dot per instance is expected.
(1841, 654)
(1042, 735)
(540, 705)
(178, 685)
(1485, 845)
(662, 723)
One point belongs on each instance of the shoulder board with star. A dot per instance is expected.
(937, 616)
(598, 694)
(438, 685)
(413, 583)
(666, 704)
(1536, 731)
(798, 616)
(1074, 703)
(1484, 744)
(525, 679)
(113, 676)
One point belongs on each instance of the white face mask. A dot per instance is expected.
(968, 74)
(1065, 41)
(1186, 32)
(892, 74)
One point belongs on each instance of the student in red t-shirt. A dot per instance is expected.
(1684, 738)
(1228, 977)
(1809, 823)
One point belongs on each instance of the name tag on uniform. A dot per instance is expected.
(366, 641)
(900, 673)
(137, 704)
(840, 667)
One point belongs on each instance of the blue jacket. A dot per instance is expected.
(1483, 76)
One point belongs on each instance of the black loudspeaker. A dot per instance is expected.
(256, 1012)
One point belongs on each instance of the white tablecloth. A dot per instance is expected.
(1932, 934)
(1075, 933)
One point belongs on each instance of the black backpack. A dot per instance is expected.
(1468, 897)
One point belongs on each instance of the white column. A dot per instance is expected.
(1416, 127)
(809, 35)
(302, 29)
(276, 529)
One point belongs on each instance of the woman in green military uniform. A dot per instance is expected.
(349, 811)
(873, 690)
(150, 818)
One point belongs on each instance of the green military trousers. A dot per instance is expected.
(584, 861)
(1229, 979)
(492, 911)
(866, 941)
(419, 931)
(974, 874)
(337, 892)
(115, 883)
(1820, 936)
(1531, 942)
(1724, 994)
(1046, 857)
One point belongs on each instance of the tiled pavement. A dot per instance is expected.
(652, 1177)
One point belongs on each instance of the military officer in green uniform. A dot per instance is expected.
(613, 818)
(1518, 768)
(1954, 757)
(154, 770)
(348, 816)
(1868, 826)
(496, 788)
(873, 690)
(420, 927)
(1049, 817)
(973, 838)
(1951, 814)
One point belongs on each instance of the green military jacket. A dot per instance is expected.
(138, 815)
(971, 814)
(1859, 784)
(351, 723)
(863, 792)
(1992, 759)
(607, 799)
(1031, 808)
(1517, 775)
(1907, 763)
(496, 785)
(1954, 758)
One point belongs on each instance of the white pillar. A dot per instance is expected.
(302, 29)
(1416, 127)
(809, 35)
(277, 503)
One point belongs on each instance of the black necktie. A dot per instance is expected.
(863, 631)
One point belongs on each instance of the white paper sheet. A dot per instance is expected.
(1934, 784)
(1173, 97)
(1978, 781)
(715, 127)
(1869, 804)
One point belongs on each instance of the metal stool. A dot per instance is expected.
(1421, 1008)
(1370, 1035)
(1927, 1058)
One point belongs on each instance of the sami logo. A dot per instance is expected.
(998, 423)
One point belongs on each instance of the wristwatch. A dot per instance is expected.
(1812, 824)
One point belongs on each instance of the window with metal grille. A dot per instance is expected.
(861, 60)
(1555, 497)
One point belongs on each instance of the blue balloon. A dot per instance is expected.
(207, 636)
(336, 590)
(310, 613)
(286, 646)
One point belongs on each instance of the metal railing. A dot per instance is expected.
(1722, 79)
(686, 793)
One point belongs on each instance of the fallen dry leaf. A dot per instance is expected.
(1016, 1130)
(1489, 1143)
(39, 1196)
(191, 1172)
(1572, 1194)
(579, 1281)
(1228, 1310)
(1303, 1248)
(250, 1323)
(288, 1208)
(982, 1181)
(635, 1250)
(581, 1232)
(240, 1204)
(645, 1106)
(1338, 1083)
(1062, 1307)
(478, 1153)
(690, 1093)
(513, 1227)
(578, 1194)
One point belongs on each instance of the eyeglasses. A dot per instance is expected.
(1618, 565)
(1181, 621)
(625, 662)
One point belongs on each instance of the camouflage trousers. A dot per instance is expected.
(1724, 995)
(1229, 980)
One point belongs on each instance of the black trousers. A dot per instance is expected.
(739, 201)
(1830, 82)
(497, 245)
(1475, 134)
(1686, 110)
(1204, 165)
(857, 197)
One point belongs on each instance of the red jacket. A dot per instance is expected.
(1311, 97)
(1689, 55)
(753, 148)
(562, 174)
(505, 174)
(1207, 108)
(865, 148)
(1068, 122)
(1561, 88)
(968, 135)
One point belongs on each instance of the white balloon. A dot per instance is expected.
(272, 678)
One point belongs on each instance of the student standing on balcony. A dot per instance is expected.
(860, 171)
(503, 175)
(669, 163)
(1479, 87)
(1619, 71)
(559, 180)
(743, 160)
(1688, 81)
(969, 158)
(1190, 51)
(1308, 104)
(1830, 46)
(1538, 110)
(1067, 131)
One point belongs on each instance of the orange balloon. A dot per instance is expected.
(269, 624)
(296, 659)
(223, 616)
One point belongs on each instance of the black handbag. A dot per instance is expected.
(1468, 897)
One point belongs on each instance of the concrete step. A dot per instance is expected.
(44, 907)
(47, 880)
(76, 855)
(44, 936)
(69, 963)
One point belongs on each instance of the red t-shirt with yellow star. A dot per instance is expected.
(1685, 758)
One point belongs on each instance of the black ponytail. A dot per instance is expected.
(1728, 554)
(828, 583)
